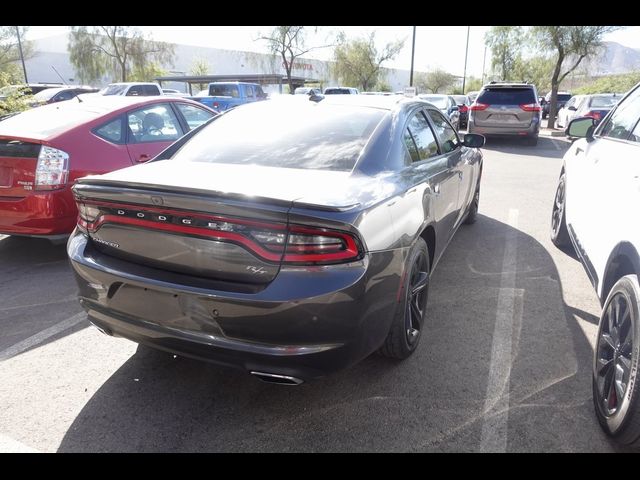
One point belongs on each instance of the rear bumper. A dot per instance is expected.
(38, 214)
(530, 131)
(306, 323)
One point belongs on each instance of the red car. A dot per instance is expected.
(44, 150)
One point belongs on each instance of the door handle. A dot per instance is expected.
(436, 189)
(143, 158)
(460, 175)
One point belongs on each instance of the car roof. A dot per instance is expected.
(507, 85)
(385, 102)
(48, 121)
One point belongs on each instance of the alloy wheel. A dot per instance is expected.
(558, 208)
(417, 301)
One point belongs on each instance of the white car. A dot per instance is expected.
(568, 112)
(595, 210)
(132, 89)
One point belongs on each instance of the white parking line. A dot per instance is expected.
(496, 406)
(40, 337)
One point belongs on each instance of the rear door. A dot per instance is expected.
(505, 107)
(150, 130)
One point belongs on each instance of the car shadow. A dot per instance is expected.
(37, 291)
(436, 400)
(547, 147)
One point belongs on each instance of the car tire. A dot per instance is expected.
(472, 213)
(618, 349)
(406, 329)
(559, 232)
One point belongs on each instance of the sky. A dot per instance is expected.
(436, 46)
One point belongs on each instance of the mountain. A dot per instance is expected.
(615, 58)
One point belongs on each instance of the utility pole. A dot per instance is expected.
(413, 51)
(24, 68)
(483, 61)
(466, 52)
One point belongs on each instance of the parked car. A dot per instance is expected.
(227, 95)
(562, 99)
(506, 109)
(341, 91)
(59, 94)
(598, 191)
(595, 106)
(26, 89)
(307, 91)
(472, 96)
(132, 89)
(447, 105)
(378, 93)
(288, 239)
(463, 103)
(174, 92)
(44, 150)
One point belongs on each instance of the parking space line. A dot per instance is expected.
(40, 337)
(496, 406)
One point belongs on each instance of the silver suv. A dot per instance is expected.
(506, 109)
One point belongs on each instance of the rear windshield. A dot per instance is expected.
(604, 101)
(506, 96)
(438, 101)
(563, 97)
(224, 91)
(317, 137)
(115, 90)
(337, 91)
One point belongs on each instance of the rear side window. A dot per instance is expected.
(624, 119)
(150, 90)
(112, 131)
(155, 123)
(224, 91)
(506, 96)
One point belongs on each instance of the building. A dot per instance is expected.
(51, 64)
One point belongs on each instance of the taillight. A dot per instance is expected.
(463, 109)
(595, 115)
(530, 107)
(292, 244)
(478, 106)
(216, 105)
(52, 169)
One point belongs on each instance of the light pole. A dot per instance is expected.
(24, 68)
(413, 51)
(484, 60)
(466, 52)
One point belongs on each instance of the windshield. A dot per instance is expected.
(439, 101)
(47, 94)
(604, 101)
(461, 99)
(115, 90)
(318, 137)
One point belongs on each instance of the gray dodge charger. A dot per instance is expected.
(289, 238)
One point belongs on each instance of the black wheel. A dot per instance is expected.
(559, 233)
(615, 366)
(472, 214)
(406, 330)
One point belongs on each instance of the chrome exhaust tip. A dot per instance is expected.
(275, 378)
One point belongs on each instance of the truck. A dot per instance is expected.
(223, 96)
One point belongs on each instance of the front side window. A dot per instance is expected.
(194, 116)
(446, 134)
(135, 91)
(624, 119)
(249, 91)
(423, 136)
(155, 123)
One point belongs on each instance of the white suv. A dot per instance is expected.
(595, 209)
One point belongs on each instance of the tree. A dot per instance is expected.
(10, 53)
(610, 84)
(147, 72)
(200, 67)
(536, 70)
(505, 43)
(434, 81)
(15, 98)
(567, 43)
(114, 50)
(358, 62)
(289, 43)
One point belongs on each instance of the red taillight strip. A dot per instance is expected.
(478, 106)
(170, 227)
(530, 107)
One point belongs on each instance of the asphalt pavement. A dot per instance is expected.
(504, 363)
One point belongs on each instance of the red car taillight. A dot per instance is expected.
(530, 107)
(52, 169)
(595, 115)
(292, 244)
(463, 109)
(478, 106)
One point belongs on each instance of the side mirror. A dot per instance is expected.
(581, 128)
(473, 140)
(454, 108)
(572, 108)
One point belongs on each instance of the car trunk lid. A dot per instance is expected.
(502, 107)
(18, 161)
